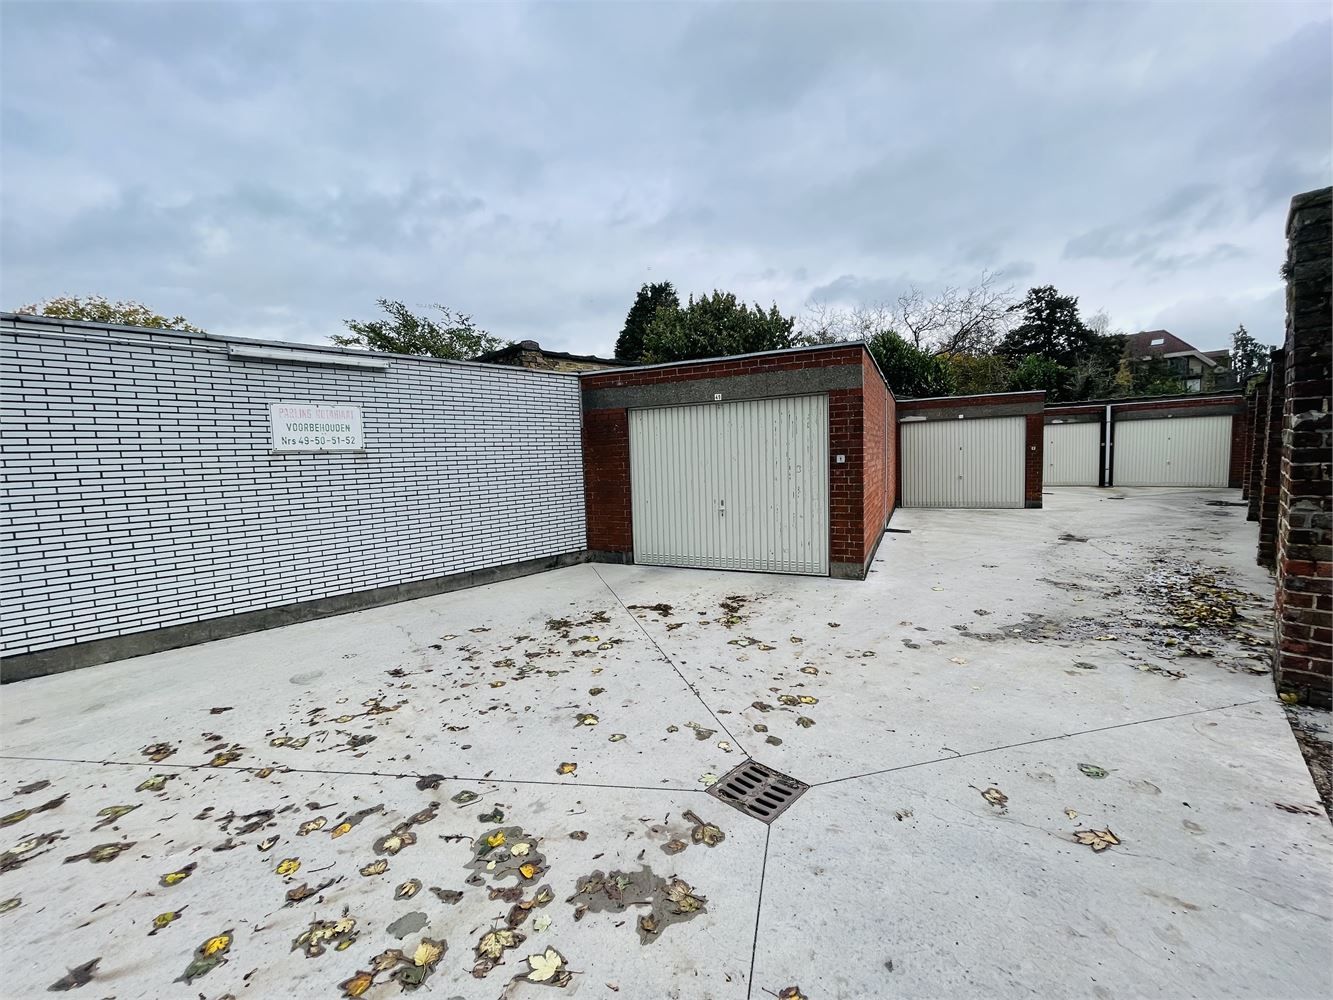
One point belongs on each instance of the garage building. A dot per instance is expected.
(782, 461)
(972, 451)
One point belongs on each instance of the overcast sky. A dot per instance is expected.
(268, 169)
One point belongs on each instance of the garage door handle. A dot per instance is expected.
(722, 508)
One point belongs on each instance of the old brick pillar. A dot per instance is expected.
(1248, 453)
(1254, 473)
(1270, 483)
(1304, 542)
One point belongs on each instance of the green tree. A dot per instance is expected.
(1249, 358)
(454, 336)
(98, 309)
(1037, 372)
(912, 372)
(976, 374)
(651, 297)
(1050, 328)
(714, 326)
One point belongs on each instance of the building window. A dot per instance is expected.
(1158, 342)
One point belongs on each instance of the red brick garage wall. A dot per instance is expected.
(606, 480)
(880, 478)
(858, 509)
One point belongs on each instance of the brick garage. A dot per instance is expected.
(1230, 407)
(986, 451)
(861, 414)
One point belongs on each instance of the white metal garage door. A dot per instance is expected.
(1172, 451)
(1073, 454)
(740, 485)
(963, 463)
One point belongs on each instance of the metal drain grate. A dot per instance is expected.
(758, 791)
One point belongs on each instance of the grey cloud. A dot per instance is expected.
(273, 168)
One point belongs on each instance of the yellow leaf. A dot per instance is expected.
(289, 866)
(428, 952)
(215, 944)
(568, 767)
(340, 829)
(375, 868)
(408, 889)
(527, 870)
(496, 839)
(358, 984)
(544, 966)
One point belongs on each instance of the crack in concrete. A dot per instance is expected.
(1041, 739)
(279, 768)
(758, 912)
(672, 664)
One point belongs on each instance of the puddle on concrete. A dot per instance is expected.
(666, 901)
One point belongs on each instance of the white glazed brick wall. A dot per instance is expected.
(140, 491)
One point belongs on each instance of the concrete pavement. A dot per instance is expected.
(1044, 755)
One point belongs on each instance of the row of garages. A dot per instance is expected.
(793, 461)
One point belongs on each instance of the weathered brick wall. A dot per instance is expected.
(1034, 461)
(606, 480)
(846, 430)
(1248, 447)
(1258, 441)
(143, 493)
(1304, 556)
(1271, 480)
(878, 425)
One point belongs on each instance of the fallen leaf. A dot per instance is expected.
(408, 889)
(177, 877)
(79, 976)
(1071, 814)
(674, 846)
(1093, 771)
(994, 796)
(568, 767)
(704, 833)
(546, 966)
(393, 842)
(1098, 840)
(616, 737)
(462, 798)
(102, 853)
(267, 843)
(358, 984)
(578, 835)
(375, 868)
(541, 923)
(791, 993)
(494, 943)
(288, 866)
(804, 722)
(310, 826)
(154, 784)
(587, 719)
(708, 778)
(164, 920)
(13, 903)
(528, 870)
(429, 952)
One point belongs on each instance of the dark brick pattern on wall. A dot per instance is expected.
(1304, 542)
(880, 475)
(1270, 480)
(1258, 435)
(1248, 448)
(606, 480)
(1033, 459)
